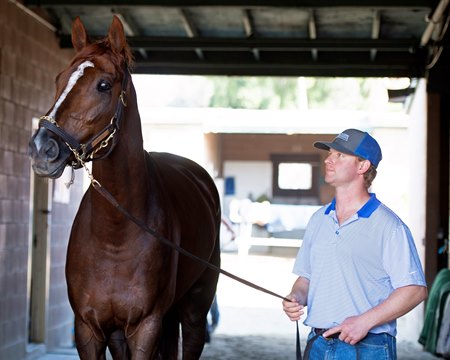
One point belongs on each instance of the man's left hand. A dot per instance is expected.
(351, 331)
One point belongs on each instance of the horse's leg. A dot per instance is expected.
(194, 335)
(118, 346)
(168, 348)
(88, 347)
(193, 310)
(194, 307)
(143, 342)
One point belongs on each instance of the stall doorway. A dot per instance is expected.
(39, 259)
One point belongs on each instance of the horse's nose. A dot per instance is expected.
(50, 150)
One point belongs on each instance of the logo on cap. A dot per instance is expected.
(343, 136)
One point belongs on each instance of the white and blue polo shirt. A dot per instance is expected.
(354, 266)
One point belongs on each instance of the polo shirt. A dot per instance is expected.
(354, 266)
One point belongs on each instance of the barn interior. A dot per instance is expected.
(375, 39)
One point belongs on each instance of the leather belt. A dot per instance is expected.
(319, 331)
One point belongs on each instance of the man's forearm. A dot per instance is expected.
(400, 302)
(300, 290)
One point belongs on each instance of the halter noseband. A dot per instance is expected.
(85, 152)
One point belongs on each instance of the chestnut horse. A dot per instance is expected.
(129, 291)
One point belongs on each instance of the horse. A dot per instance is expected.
(129, 292)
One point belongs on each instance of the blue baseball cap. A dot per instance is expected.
(354, 142)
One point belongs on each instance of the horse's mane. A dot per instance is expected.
(121, 60)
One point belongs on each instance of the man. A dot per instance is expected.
(358, 266)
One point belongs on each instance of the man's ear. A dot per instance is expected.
(364, 165)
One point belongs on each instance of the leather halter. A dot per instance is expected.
(86, 151)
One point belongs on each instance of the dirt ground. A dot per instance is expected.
(252, 324)
(279, 348)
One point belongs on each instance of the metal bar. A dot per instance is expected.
(249, 28)
(376, 25)
(191, 30)
(435, 18)
(247, 20)
(262, 69)
(246, 44)
(312, 30)
(244, 4)
(274, 44)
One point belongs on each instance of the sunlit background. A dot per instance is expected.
(178, 111)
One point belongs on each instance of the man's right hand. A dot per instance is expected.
(292, 308)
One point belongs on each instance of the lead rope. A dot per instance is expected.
(298, 348)
(112, 200)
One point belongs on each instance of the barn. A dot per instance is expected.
(397, 38)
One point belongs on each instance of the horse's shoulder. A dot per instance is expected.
(168, 162)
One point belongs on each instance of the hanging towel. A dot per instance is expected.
(443, 342)
(434, 311)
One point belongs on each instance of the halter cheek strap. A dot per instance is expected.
(86, 151)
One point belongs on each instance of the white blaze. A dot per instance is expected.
(72, 81)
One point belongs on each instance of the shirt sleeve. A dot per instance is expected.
(401, 260)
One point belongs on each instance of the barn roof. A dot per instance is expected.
(272, 37)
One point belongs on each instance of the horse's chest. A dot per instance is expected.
(122, 291)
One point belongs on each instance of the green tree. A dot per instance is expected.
(254, 92)
(293, 92)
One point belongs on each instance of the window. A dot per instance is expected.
(295, 175)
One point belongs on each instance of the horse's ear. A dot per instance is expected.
(116, 35)
(79, 36)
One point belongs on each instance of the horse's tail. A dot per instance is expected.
(170, 334)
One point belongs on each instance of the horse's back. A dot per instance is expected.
(190, 202)
(184, 181)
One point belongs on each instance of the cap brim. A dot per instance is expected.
(322, 145)
(327, 145)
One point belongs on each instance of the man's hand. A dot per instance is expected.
(351, 331)
(292, 308)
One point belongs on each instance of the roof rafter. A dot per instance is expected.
(376, 25)
(191, 30)
(249, 28)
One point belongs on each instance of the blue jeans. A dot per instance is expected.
(372, 347)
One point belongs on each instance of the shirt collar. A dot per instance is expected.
(368, 208)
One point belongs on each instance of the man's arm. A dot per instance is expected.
(400, 302)
(298, 297)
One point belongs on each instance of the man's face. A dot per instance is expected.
(341, 169)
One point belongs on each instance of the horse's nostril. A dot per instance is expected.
(31, 148)
(51, 150)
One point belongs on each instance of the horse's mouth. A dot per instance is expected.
(44, 170)
(49, 155)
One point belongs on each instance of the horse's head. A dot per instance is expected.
(83, 122)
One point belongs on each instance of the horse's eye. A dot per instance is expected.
(103, 86)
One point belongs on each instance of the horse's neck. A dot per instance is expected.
(123, 173)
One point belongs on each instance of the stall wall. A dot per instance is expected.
(30, 59)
